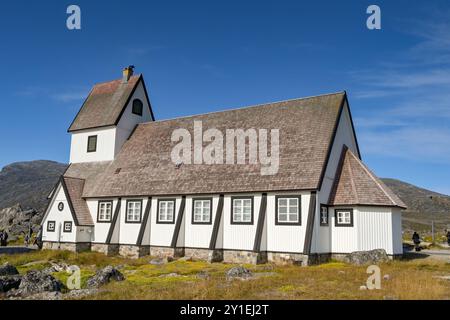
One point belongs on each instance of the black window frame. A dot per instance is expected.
(64, 226)
(210, 199)
(174, 200)
(98, 211)
(96, 140)
(133, 111)
(126, 211)
(54, 225)
(328, 216)
(337, 224)
(252, 211)
(288, 223)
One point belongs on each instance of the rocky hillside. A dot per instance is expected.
(424, 206)
(24, 187)
(28, 183)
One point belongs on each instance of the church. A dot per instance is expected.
(123, 194)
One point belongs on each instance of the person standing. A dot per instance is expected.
(416, 240)
(1, 238)
(448, 237)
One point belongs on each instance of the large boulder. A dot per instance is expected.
(9, 282)
(8, 270)
(367, 257)
(104, 276)
(238, 272)
(36, 282)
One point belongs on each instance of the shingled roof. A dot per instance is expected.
(357, 185)
(144, 166)
(74, 190)
(105, 104)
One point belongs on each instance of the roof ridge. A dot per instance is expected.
(244, 107)
(352, 180)
(73, 178)
(372, 176)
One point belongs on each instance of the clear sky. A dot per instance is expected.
(201, 56)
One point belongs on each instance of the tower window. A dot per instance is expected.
(137, 107)
(92, 144)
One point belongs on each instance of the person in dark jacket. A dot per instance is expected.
(1, 238)
(448, 237)
(416, 240)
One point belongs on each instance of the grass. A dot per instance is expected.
(416, 279)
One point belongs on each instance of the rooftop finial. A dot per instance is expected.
(127, 73)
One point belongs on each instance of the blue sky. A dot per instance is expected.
(200, 56)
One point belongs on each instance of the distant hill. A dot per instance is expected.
(28, 183)
(424, 206)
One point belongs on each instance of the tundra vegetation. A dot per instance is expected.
(184, 279)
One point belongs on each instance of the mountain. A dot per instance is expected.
(28, 183)
(423, 205)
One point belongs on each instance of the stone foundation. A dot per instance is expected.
(165, 252)
(287, 258)
(70, 246)
(107, 249)
(133, 251)
(250, 257)
(204, 254)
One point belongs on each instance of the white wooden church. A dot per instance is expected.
(122, 193)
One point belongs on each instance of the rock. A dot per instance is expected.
(81, 293)
(104, 276)
(8, 270)
(367, 257)
(54, 295)
(185, 258)
(203, 275)
(362, 288)
(170, 259)
(59, 266)
(37, 282)
(239, 272)
(158, 261)
(9, 282)
(386, 277)
(170, 275)
(390, 298)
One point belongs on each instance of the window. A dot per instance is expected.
(92, 144)
(201, 211)
(133, 211)
(323, 215)
(104, 211)
(288, 210)
(137, 107)
(344, 218)
(51, 226)
(166, 211)
(61, 206)
(241, 210)
(67, 226)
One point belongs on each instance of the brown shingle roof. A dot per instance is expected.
(306, 127)
(357, 185)
(104, 104)
(74, 188)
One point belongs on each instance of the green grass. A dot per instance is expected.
(334, 280)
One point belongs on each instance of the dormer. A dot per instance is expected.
(108, 117)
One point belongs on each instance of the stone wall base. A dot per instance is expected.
(133, 251)
(250, 257)
(287, 258)
(204, 254)
(107, 249)
(70, 246)
(165, 252)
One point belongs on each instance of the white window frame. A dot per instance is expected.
(204, 216)
(290, 203)
(164, 213)
(134, 211)
(104, 211)
(238, 207)
(344, 218)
